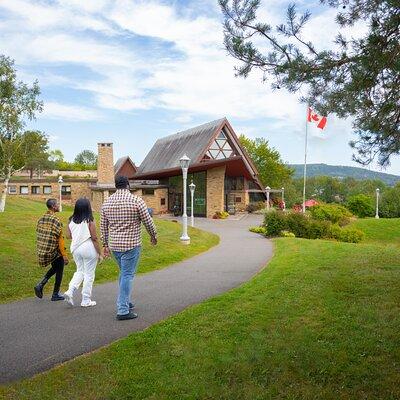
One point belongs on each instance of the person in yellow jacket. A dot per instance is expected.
(50, 248)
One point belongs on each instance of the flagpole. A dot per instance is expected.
(305, 163)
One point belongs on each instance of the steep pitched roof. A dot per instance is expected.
(166, 152)
(121, 162)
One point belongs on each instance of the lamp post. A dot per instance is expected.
(267, 189)
(283, 199)
(60, 182)
(377, 204)
(192, 187)
(184, 161)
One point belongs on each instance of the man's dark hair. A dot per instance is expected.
(121, 182)
(50, 203)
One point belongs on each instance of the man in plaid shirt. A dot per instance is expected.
(120, 225)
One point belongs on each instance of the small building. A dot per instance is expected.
(225, 176)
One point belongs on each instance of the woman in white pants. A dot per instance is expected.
(85, 250)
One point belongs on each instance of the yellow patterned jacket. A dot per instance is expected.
(49, 239)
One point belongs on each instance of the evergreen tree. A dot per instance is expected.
(359, 78)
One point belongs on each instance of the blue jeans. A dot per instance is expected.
(127, 262)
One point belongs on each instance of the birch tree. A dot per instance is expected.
(18, 104)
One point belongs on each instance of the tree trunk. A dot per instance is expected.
(4, 193)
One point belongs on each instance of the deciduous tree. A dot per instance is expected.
(18, 103)
(273, 172)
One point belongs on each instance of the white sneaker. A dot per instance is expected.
(69, 298)
(89, 303)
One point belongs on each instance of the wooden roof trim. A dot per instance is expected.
(214, 136)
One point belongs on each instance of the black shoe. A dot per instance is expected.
(130, 315)
(131, 306)
(57, 297)
(38, 290)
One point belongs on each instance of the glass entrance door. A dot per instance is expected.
(200, 194)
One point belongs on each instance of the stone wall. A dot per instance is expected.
(154, 201)
(97, 199)
(244, 198)
(215, 190)
(78, 189)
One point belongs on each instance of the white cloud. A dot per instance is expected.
(136, 54)
(54, 110)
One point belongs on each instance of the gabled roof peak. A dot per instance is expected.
(167, 151)
(195, 130)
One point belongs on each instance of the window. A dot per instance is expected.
(46, 189)
(238, 199)
(163, 202)
(12, 189)
(219, 149)
(35, 189)
(234, 183)
(65, 190)
(148, 192)
(24, 190)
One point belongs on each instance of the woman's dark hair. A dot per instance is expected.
(82, 211)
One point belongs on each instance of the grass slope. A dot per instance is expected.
(321, 322)
(384, 230)
(19, 271)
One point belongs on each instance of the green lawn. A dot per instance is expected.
(19, 271)
(322, 321)
(383, 230)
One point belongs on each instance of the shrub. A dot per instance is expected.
(334, 213)
(258, 229)
(221, 215)
(274, 222)
(361, 205)
(389, 206)
(298, 223)
(287, 234)
(336, 230)
(351, 235)
(319, 229)
(251, 207)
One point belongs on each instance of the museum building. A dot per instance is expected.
(226, 179)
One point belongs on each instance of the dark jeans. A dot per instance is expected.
(57, 269)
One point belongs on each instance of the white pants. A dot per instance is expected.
(85, 257)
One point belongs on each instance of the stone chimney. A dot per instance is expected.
(105, 165)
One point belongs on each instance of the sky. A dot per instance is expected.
(132, 71)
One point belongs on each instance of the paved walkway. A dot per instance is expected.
(36, 335)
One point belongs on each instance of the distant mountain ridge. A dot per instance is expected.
(340, 172)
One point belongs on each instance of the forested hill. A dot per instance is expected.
(339, 171)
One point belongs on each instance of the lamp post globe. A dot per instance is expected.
(184, 163)
(192, 188)
(377, 204)
(60, 182)
(267, 189)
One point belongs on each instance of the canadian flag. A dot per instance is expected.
(314, 117)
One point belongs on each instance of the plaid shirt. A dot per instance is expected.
(121, 218)
(48, 233)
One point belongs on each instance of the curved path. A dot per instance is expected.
(36, 335)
